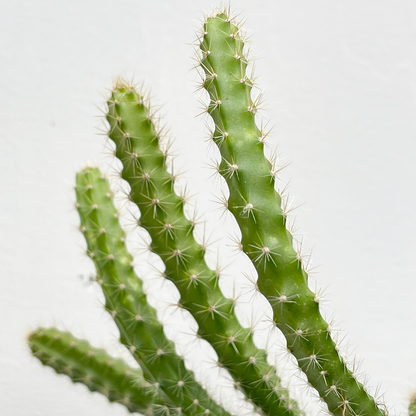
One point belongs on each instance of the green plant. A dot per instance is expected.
(164, 384)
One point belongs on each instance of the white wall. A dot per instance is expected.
(340, 84)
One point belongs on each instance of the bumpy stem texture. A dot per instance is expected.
(137, 321)
(257, 208)
(93, 367)
(144, 168)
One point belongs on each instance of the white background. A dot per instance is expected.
(340, 85)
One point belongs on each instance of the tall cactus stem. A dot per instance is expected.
(257, 208)
(144, 168)
(140, 330)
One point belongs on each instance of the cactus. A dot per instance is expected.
(164, 384)
(412, 405)
(140, 330)
(256, 205)
(144, 168)
(96, 369)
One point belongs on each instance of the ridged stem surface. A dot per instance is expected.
(144, 168)
(257, 208)
(93, 367)
(137, 321)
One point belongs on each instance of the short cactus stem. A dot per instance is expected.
(257, 208)
(412, 405)
(93, 367)
(140, 330)
(172, 239)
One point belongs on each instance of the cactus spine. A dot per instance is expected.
(257, 208)
(140, 330)
(96, 369)
(144, 168)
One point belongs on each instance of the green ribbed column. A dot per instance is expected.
(144, 168)
(93, 367)
(257, 208)
(140, 330)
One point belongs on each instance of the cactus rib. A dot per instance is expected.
(257, 208)
(144, 168)
(140, 330)
(94, 368)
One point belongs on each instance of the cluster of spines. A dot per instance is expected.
(140, 330)
(96, 369)
(144, 168)
(265, 239)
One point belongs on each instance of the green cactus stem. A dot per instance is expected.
(144, 168)
(140, 330)
(412, 405)
(257, 208)
(96, 369)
